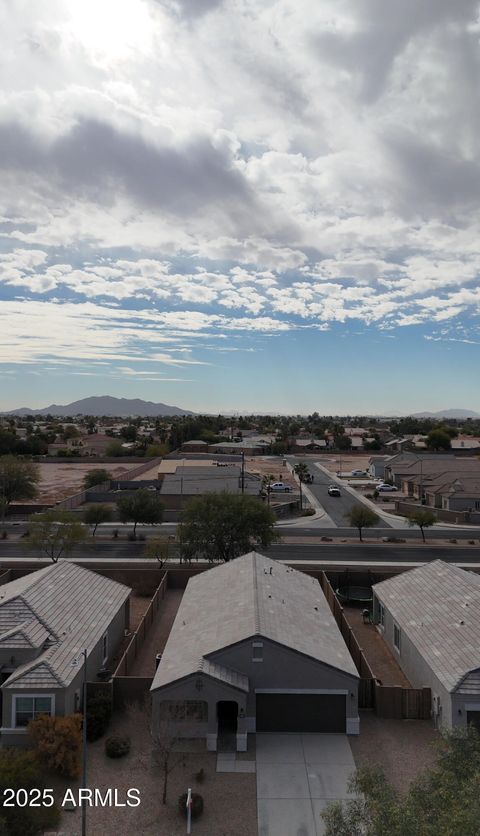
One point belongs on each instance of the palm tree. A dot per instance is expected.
(302, 472)
(266, 482)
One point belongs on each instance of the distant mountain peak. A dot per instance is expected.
(447, 413)
(108, 405)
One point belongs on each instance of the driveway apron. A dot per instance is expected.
(297, 776)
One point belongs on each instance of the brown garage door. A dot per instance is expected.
(301, 713)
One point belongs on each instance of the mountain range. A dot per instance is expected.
(104, 405)
(447, 413)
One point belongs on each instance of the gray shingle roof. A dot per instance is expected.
(438, 608)
(248, 597)
(64, 601)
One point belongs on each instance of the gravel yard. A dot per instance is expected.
(229, 799)
(404, 748)
(59, 480)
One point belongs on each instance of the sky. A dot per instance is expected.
(229, 205)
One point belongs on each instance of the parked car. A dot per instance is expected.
(334, 491)
(280, 486)
(359, 473)
(385, 487)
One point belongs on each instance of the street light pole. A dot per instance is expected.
(84, 758)
(74, 663)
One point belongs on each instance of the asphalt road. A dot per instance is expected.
(348, 553)
(294, 532)
(337, 507)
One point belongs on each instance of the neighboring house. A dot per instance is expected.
(177, 488)
(303, 445)
(376, 466)
(430, 619)
(47, 618)
(194, 446)
(462, 442)
(254, 647)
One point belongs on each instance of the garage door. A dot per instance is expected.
(301, 713)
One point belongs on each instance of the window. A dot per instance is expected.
(29, 708)
(257, 652)
(105, 648)
(396, 637)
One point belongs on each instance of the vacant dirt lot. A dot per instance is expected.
(58, 480)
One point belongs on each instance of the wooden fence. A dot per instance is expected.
(388, 701)
(133, 648)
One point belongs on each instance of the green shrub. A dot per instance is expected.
(197, 805)
(99, 712)
(21, 770)
(117, 746)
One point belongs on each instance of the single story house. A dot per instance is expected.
(376, 466)
(47, 619)
(430, 619)
(254, 647)
(302, 445)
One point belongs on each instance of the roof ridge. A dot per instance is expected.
(256, 608)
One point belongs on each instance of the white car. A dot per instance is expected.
(384, 487)
(280, 486)
(334, 490)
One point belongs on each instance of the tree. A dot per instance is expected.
(342, 442)
(266, 482)
(164, 732)
(96, 514)
(96, 477)
(222, 526)
(20, 770)
(129, 433)
(361, 517)
(443, 800)
(423, 518)
(18, 480)
(159, 549)
(115, 449)
(302, 472)
(438, 439)
(70, 432)
(55, 533)
(141, 507)
(59, 742)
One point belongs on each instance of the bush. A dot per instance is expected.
(131, 536)
(59, 742)
(117, 746)
(200, 776)
(20, 769)
(99, 712)
(4, 535)
(308, 512)
(197, 805)
(115, 533)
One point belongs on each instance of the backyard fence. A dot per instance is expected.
(133, 648)
(388, 701)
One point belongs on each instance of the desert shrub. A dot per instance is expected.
(200, 776)
(308, 512)
(59, 742)
(117, 746)
(21, 769)
(99, 712)
(197, 805)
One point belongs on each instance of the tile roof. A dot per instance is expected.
(65, 602)
(248, 597)
(438, 608)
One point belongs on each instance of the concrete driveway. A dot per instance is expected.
(297, 776)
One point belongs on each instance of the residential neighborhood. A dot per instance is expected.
(213, 602)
